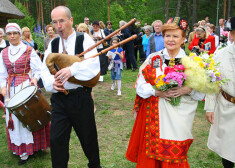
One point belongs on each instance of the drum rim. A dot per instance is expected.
(16, 106)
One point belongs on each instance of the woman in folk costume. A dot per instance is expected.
(221, 107)
(15, 64)
(162, 133)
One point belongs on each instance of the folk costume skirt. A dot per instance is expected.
(20, 140)
(147, 148)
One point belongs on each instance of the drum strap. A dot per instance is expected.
(10, 122)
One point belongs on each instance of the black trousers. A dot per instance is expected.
(73, 110)
(227, 163)
(129, 54)
(103, 63)
(141, 52)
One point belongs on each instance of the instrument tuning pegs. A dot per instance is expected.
(36, 97)
(49, 112)
(26, 107)
(39, 122)
(15, 113)
(21, 113)
(29, 128)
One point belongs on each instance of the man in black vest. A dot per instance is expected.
(75, 109)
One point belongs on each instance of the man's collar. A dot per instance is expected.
(158, 35)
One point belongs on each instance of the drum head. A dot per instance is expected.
(21, 96)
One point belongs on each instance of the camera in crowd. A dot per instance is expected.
(196, 51)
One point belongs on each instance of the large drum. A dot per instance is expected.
(31, 108)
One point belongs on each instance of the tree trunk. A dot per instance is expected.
(166, 10)
(228, 8)
(188, 8)
(231, 9)
(194, 18)
(42, 15)
(225, 3)
(178, 8)
(108, 11)
(37, 9)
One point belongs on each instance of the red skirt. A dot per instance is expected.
(41, 140)
(136, 151)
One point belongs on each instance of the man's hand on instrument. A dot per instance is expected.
(34, 82)
(58, 86)
(63, 75)
(4, 91)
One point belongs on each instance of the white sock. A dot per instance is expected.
(24, 157)
(119, 84)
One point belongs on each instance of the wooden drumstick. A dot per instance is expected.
(108, 37)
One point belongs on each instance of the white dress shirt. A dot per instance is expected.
(84, 70)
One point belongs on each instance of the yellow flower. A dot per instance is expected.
(197, 59)
(201, 64)
(191, 54)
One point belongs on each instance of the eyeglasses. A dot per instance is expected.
(12, 33)
(61, 21)
(87, 20)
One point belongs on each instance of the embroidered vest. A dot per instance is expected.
(17, 67)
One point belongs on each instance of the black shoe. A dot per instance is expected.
(134, 69)
(21, 162)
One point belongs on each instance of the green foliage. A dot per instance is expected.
(27, 21)
(40, 42)
(117, 13)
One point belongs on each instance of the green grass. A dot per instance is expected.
(114, 124)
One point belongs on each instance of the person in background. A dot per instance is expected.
(220, 108)
(192, 34)
(148, 32)
(50, 35)
(128, 47)
(228, 23)
(101, 25)
(138, 42)
(116, 65)
(207, 19)
(221, 29)
(27, 38)
(199, 41)
(203, 23)
(16, 61)
(211, 31)
(156, 41)
(87, 21)
(98, 34)
(3, 44)
(108, 30)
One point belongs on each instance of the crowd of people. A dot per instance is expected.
(162, 133)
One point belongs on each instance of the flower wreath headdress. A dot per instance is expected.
(179, 22)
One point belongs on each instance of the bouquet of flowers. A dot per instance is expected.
(224, 36)
(173, 77)
(202, 73)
